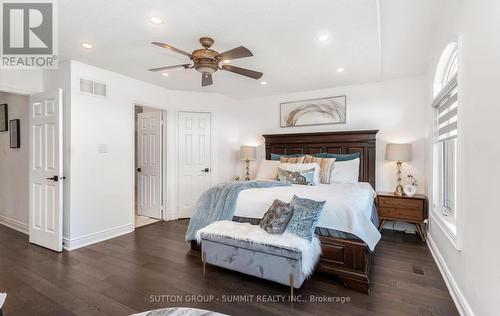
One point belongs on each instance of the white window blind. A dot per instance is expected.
(446, 106)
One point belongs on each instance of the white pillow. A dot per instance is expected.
(268, 170)
(345, 171)
(302, 167)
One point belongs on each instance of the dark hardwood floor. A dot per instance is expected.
(130, 274)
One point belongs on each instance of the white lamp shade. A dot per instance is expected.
(398, 152)
(248, 152)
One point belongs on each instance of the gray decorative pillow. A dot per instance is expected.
(305, 217)
(277, 217)
(305, 177)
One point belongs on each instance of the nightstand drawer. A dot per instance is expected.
(401, 213)
(408, 204)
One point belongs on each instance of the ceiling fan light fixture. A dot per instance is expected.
(206, 69)
(165, 74)
(207, 61)
(263, 83)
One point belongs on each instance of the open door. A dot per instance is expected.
(46, 169)
(149, 163)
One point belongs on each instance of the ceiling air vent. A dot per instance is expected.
(93, 87)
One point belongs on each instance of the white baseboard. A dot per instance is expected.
(79, 242)
(457, 295)
(15, 224)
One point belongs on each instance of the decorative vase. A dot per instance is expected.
(410, 190)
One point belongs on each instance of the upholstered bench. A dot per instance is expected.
(246, 248)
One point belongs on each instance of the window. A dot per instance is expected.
(445, 105)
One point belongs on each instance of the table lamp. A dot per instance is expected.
(248, 153)
(398, 153)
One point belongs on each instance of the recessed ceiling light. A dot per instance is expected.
(227, 61)
(340, 69)
(322, 38)
(86, 45)
(155, 20)
(263, 83)
(165, 74)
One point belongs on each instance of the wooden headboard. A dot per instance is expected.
(362, 142)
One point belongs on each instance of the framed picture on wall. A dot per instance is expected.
(331, 110)
(15, 133)
(4, 117)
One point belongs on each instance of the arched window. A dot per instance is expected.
(445, 106)
(447, 67)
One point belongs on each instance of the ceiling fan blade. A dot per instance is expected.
(168, 67)
(238, 52)
(206, 80)
(180, 51)
(243, 71)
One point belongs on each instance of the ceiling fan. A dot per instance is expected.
(206, 60)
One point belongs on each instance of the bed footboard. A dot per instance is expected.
(347, 260)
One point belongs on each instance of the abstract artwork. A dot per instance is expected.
(331, 110)
(3, 118)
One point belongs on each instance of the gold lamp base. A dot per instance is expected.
(399, 188)
(247, 165)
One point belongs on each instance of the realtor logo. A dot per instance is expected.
(28, 34)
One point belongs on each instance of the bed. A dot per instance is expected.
(348, 259)
(348, 213)
(348, 226)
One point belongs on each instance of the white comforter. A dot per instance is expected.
(348, 206)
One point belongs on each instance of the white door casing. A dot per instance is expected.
(46, 169)
(149, 164)
(194, 147)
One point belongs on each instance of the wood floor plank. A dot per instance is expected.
(154, 268)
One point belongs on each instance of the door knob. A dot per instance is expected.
(54, 178)
(139, 169)
(205, 170)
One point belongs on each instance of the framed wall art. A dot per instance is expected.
(331, 110)
(15, 133)
(4, 117)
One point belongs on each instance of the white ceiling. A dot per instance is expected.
(372, 40)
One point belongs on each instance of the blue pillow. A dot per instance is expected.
(342, 157)
(321, 155)
(278, 156)
(305, 217)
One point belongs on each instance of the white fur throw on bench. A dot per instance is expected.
(311, 250)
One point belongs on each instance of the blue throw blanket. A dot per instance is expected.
(218, 203)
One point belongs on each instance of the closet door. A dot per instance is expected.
(194, 147)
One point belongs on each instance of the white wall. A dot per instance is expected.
(14, 167)
(21, 81)
(394, 107)
(473, 272)
(99, 191)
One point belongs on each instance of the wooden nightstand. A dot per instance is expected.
(402, 208)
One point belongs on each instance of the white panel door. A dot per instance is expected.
(149, 164)
(194, 159)
(46, 169)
